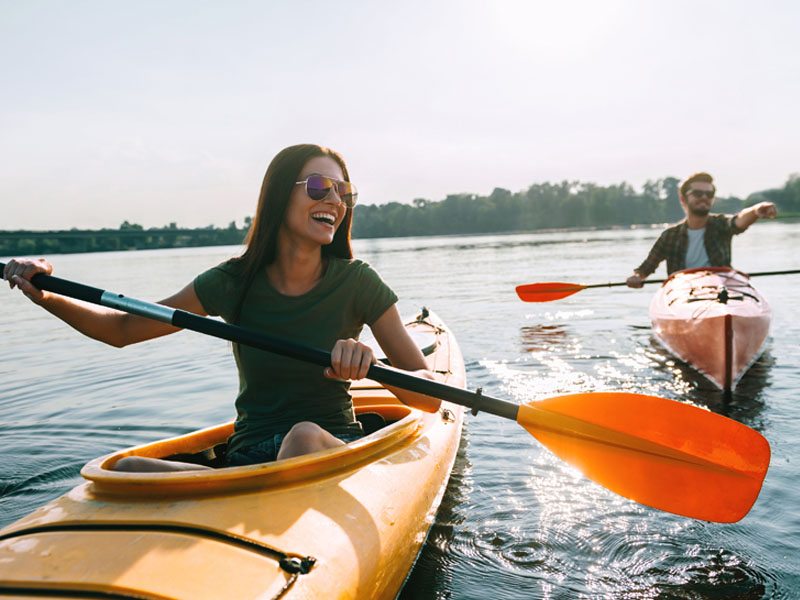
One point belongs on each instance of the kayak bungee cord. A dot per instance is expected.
(293, 564)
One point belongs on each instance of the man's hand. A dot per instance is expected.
(634, 281)
(765, 210)
(751, 214)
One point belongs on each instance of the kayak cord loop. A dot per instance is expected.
(296, 566)
(423, 317)
(293, 564)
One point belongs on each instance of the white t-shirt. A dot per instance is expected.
(696, 255)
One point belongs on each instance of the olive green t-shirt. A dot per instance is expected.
(276, 392)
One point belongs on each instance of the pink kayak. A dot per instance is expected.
(713, 319)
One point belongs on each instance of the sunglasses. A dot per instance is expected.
(701, 194)
(318, 187)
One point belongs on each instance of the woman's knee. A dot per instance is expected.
(306, 430)
(306, 437)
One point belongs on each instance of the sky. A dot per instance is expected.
(160, 111)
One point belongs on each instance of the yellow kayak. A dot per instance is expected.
(343, 523)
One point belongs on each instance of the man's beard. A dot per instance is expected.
(700, 211)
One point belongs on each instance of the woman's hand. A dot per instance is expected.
(350, 359)
(18, 273)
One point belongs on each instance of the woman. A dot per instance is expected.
(296, 279)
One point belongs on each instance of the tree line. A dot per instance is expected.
(541, 206)
(129, 236)
(550, 206)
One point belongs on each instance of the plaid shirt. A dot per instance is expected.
(674, 241)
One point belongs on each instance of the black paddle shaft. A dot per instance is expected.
(257, 339)
(761, 274)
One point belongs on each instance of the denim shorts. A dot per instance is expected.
(267, 450)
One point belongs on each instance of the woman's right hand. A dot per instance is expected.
(350, 359)
(108, 325)
(18, 273)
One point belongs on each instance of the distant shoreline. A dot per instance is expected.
(76, 241)
(24, 242)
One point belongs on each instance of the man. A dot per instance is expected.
(701, 239)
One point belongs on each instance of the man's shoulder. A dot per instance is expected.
(720, 221)
(674, 229)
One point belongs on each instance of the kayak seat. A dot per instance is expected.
(213, 457)
(371, 421)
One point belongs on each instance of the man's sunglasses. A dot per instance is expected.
(318, 188)
(701, 194)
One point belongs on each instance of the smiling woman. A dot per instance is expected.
(297, 279)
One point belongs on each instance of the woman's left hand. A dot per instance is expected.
(350, 359)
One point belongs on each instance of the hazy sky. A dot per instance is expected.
(170, 110)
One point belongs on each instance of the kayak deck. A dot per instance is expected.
(343, 523)
(713, 319)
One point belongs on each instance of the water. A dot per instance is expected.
(516, 522)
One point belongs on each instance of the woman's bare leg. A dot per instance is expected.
(306, 437)
(141, 464)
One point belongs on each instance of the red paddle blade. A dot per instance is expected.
(661, 453)
(547, 292)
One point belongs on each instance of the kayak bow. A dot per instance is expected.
(713, 319)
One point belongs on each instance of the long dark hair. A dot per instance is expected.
(262, 238)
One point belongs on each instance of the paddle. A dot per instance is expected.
(547, 292)
(661, 453)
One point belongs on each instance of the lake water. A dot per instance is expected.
(516, 522)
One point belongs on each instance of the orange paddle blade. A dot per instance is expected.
(658, 452)
(547, 292)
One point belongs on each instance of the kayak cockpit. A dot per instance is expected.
(215, 456)
(390, 425)
(401, 425)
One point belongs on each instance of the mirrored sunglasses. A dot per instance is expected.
(318, 187)
(701, 194)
